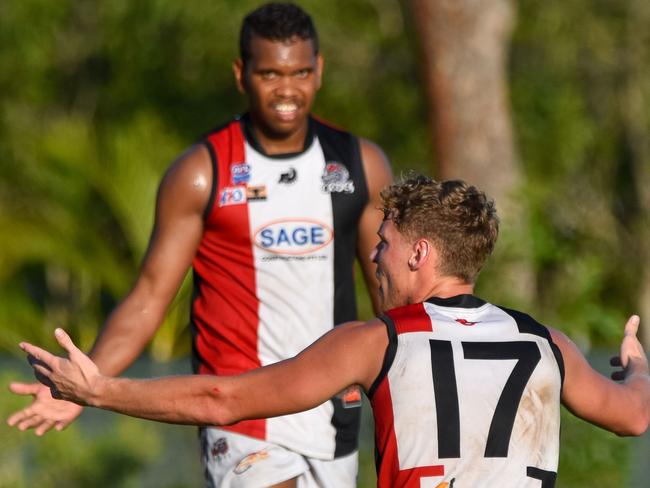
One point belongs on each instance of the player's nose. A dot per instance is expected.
(285, 87)
(373, 254)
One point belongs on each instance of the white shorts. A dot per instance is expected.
(233, 460)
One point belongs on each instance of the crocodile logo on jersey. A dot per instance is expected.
(336, 178)
(288, 177)
(466, 322)
(241, 173)
(293, 236)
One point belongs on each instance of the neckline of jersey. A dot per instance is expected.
(458, 301)
(249, 134)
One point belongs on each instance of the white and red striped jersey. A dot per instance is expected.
(469, 396)
(274, 269)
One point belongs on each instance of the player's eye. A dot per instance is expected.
(268, 75)
(303, 73)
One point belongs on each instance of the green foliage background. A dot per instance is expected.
(98, 97)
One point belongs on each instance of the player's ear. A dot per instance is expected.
(238, 70)
(420, 255)
(320, 64)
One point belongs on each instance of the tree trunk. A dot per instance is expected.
(464, 57)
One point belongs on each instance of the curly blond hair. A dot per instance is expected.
(457, 218)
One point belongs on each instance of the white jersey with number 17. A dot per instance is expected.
(469, 396)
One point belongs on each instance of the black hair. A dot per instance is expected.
(276, 22)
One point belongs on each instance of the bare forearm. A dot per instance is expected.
(293, 385)
(123, 337)
(192, 400)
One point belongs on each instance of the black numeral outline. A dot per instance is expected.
(446, 391)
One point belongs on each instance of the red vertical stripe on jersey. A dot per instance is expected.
(389, 474)
(385, 440)
(225, 312)
(411, 318)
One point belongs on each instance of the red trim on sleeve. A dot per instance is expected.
(410, 318)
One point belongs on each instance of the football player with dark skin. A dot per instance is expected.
(280, 81)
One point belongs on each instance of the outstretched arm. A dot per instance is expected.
(182, 197)
(623, 408)
(315, 375)
(378, 176)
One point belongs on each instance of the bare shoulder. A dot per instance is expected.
(372, 151)
(557, 336)
(564, 343)
(376, 166)
(193, 168)
(362, 346)
(371, 333)
(188, 180)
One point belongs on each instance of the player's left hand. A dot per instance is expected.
(632, 358)
(72, 379)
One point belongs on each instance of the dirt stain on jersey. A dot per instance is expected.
(535, 416)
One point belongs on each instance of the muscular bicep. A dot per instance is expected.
(378, 176)
(350, 354)
(180, 204)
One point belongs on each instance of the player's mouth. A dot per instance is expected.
(286, 111)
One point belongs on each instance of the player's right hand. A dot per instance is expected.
(45, 412)
(632, 358)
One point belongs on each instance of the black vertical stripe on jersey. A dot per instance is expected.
(546, 477)
(378, 458)
(446, 396)
(197, 360)
(343, 148)
(389, 355)
(560, 363)
(528, 325)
